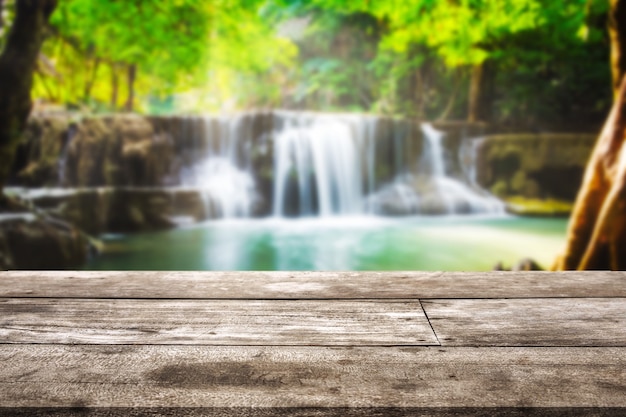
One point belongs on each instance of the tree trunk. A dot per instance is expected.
(445, 114)
(481, 93)
(132, 73)
(114, 86)
(596, 237)
(617, 32)
(418, 94)
(17, 66)
(90, 80)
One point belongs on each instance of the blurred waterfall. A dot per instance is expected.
(220, 171)
(324, 165)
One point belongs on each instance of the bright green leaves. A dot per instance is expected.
(461, 32)
(397, 56)
(176, 46)
(164, 40)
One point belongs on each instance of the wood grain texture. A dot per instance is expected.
(529, 322)
(312, 343)
(214, 322)
(200, 376)
(313, 412)
(324, 285)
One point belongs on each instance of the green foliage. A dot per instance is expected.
(174, 45)
(500, 189)
(335, 55)
(461, 32)
(160, 36)
(548, 60)
(540, 52)
(96, 42)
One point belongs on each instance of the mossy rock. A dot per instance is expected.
(546, 165)
(537, 207)
(500, 189)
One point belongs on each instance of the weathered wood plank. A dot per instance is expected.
(214, 322)
(314, 412)
(529, 322)
(199, 376)
(294, 285)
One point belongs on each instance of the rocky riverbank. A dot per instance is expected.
(137, 152)
(129, 173)
(534, 166)
(32, 240)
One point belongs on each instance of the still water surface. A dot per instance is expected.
(365, 243)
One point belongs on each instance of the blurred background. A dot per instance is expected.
(305, 135)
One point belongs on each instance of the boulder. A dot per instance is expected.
(28, 241)
(84, 208)
(527, 264)
(40, 155)
(124, 209)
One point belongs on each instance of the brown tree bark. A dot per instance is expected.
(596, 237)
(91, 80)
(114, 87)
(445, 114)
(17, 66)
(481, 93)
(132, 75)
(617, 32)
(419, 93)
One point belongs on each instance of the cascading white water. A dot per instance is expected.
(454, 195)
(322, 156)
(434, 150)
(226, 184)
(469, 159)
(63, 156)
(329, 165)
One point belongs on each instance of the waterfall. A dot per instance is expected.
(226, 183)
(434, 152)
(469, 159)
(326, 165)
(320, 156)
(62, 162)
(454, 194)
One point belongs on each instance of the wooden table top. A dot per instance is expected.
(312, 343)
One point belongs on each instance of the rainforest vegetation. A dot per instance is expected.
(517, 64)
(513, 61)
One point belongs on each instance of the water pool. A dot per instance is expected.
(447, 243)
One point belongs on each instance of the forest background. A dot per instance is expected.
(525, 63)
(513, 63)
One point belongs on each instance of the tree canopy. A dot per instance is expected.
(520, 61)
(157, 47)
(423, 55)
